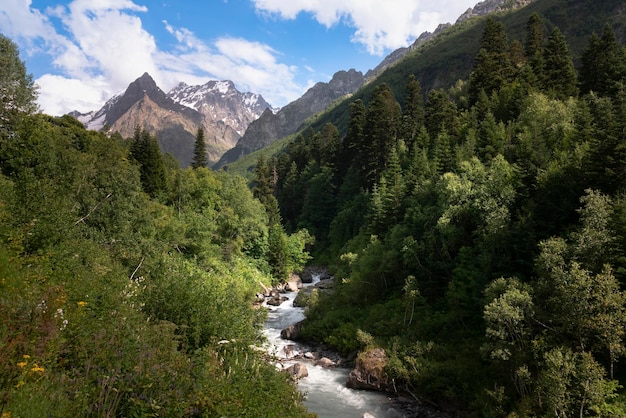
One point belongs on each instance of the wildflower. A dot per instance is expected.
(22, 364)
(81, 304)
(6, 414)
(26, 356)
(37, 369)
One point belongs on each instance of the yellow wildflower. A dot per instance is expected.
(37, 368)
(81, 304)
(22, 363)
(26, 356)
(6, 414)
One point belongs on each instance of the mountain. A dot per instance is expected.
(272, 126)
(217, 106)
(448, 57)
(221, 101)
(483, 8)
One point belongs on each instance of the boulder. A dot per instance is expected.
(292, 332)
(311, 356)
(307, 276)
(369, 372)
(276, 301)
(325, 362)
(294, 283)
(297, 371)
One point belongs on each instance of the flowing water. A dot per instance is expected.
(325, 390)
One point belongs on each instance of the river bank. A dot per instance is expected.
(322, 373)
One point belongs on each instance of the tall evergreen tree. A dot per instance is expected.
(560, 76)
(603, 66)
(413, 116)
(440, 113)
(145, 150)
(353, 143)
(381, 128)
(534, 49)
(493, 68)
(199, 151)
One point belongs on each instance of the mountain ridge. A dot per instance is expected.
(271, 126)
(174, 117)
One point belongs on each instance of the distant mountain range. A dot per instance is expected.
(174, 117)
(235, 123)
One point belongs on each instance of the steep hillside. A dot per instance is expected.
(444, 59)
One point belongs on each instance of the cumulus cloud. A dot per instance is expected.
(379, 26)
(101, 46)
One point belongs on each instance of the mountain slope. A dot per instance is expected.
(448, 57)
(270, 127)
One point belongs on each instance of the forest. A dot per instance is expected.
(127, 283)
(477, 233)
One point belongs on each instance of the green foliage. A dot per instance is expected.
(113, 303)
(17, 89)
(486, 221)
(145, 150)
(200, 157)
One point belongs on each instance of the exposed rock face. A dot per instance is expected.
(218, 107)
(493, 6)
(221, 101)
(272, 126)
(369, 372)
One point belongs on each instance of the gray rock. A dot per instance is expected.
(297, 371)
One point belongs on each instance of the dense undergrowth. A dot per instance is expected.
(126, 283)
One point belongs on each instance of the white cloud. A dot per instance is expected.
(98, 47)
(379, 26)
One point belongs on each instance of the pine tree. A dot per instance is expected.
(381, 124)
(493, 68)
(413, 117)
(560, 76)
(603, 65)
(199, 152)
(440, 114)
(534, 50)
(145, 150)
(353, 143)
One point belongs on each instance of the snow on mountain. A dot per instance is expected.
(221, 101)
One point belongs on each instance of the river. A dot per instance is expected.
(324, 388)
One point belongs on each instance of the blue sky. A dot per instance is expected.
(82, 52)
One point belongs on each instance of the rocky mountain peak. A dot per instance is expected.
(487, 7)
(271, 126)
(217, 106)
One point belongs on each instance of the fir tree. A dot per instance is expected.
(145, 150)
(493, 68)
(199, 151)
(603, 65)
(560, 76)
(413, 117)
(381, 125)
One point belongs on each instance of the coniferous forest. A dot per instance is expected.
(477, 234)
